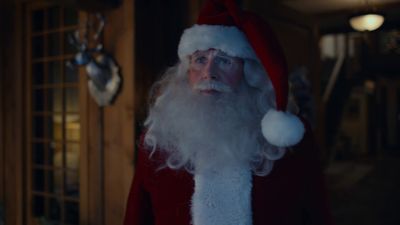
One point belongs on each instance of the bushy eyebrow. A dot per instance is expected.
(219, 53)
(234, 59)
(198, 53)
(225, 56)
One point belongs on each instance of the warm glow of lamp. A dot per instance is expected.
(366, 22)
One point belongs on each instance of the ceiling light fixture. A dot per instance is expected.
(367, 20)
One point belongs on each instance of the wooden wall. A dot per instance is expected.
(2, 61)
(119, 119)
(2, 153)
(11, 115)
(109, 131)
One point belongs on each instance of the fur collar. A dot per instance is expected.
(222, 197)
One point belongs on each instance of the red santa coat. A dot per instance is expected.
(292, 194)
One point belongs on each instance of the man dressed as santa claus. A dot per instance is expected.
(221, 147)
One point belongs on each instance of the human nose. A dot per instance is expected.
(210, 71)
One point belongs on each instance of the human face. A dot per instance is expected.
(225, 73)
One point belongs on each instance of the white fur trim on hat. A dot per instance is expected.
(282, 129)
(222, 197)
(228, 39)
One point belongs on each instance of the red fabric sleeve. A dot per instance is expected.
(317, 208)
(139, 208)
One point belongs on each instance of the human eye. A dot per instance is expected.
(224, 61)
(200, 59)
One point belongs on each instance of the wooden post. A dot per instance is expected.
(2, 149)
(119, 118)
(12, 113)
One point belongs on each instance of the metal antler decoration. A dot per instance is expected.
(104, 78)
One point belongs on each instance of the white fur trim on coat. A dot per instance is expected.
(228, 39)
(222, 197)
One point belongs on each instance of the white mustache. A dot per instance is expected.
(213, 85)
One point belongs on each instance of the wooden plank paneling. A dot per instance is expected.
(13, 115)
(2, 175)
(93, 160)
(2, 77)
(84, 164)
(119, 118)
(28, 116)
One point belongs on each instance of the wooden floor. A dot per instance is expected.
(365, 192)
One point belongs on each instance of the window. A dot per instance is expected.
(54, 134)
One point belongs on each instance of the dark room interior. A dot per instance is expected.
(68, 158)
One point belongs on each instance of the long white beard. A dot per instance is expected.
(219, 140)
(216, 138)
(201, 132)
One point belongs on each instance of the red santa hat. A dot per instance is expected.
(223, 25)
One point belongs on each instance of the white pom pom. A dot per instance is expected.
(282, 129)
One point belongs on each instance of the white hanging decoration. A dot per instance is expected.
(103, 72)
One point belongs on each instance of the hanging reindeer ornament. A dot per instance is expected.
(104, 78)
